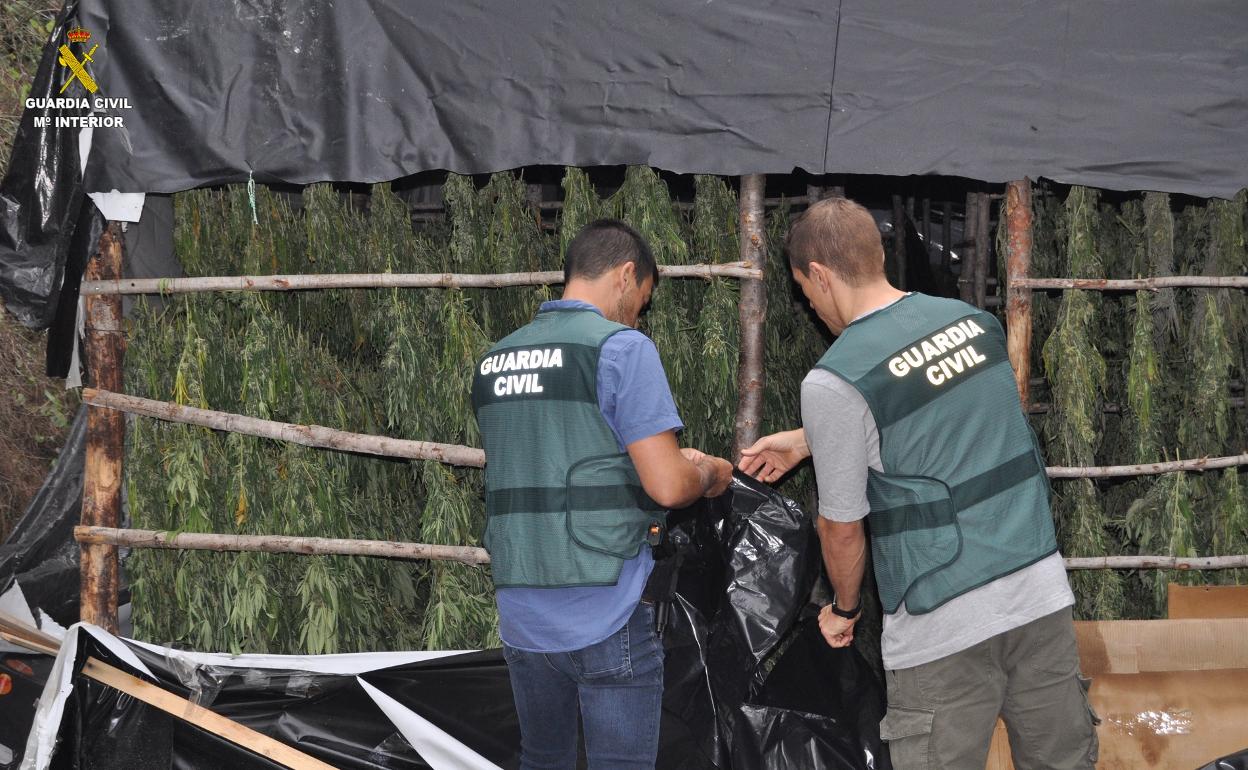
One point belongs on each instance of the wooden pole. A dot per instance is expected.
(1018, 222)
(381, 280)
(983, 249)
(1149, 469)
(1135, 284)
(104, 351)
(306, 435)
(476, 557)
(752, 312)
(899, 242)
(946, 237)
(1157, 562)
(197, 541)
(271, 749)
(970, 249)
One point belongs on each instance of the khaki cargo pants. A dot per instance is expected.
(942, 714)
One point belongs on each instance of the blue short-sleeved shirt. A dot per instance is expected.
(636, 401)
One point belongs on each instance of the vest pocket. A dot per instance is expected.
(914, 532)
(608, 511)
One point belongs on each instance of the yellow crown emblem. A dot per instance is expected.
(78, 35)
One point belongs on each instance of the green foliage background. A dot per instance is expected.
(398, 363)
(1167, 359)
(395, 363)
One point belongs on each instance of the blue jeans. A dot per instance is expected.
(618, 686)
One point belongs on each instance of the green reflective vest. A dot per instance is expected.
(564, 507)
(963, 498)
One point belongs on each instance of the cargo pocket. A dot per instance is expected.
(1094, 741)
(909, 734)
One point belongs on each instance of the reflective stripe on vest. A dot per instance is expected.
(564, 507)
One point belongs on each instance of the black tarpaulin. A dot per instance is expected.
(41, 554)
(749, 684)
(1150, 95)
(1147, 96)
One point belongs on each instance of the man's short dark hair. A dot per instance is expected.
(605, 244)
(839, 234)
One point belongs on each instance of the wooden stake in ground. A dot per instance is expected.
(753, 314)
(104, 349)
(1018, 222)
(238, 734)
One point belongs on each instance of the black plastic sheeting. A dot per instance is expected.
(42, 204)
(372, 90)
(41, 554)
(23, 677)
(302, 91)
(749, 683)
(1237, 761)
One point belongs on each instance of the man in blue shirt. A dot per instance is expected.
(574, 639)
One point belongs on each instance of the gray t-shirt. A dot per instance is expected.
(844, 442)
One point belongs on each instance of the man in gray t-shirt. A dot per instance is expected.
(1003, 648)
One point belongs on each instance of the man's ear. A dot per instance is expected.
(628, 274)
(821, 275)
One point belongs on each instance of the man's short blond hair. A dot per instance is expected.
(841, 235)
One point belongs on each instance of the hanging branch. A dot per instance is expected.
(1134, 284)
(384, 280)
(308, 546)
(1157, 562)
(1150, 469)
(307, 435)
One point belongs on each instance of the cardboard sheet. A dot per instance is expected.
(1171, 694)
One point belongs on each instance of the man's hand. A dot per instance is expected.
(773, 456)
(716, 471)
(836, 630)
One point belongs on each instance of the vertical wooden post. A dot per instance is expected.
(926, 226)
(983, 249)
(946, 236)
(104, 352)
(970, 249)
(533, 197)
(753, 313)
(1018, 223)
(899, 242)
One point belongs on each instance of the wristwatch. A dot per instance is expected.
(849, 614)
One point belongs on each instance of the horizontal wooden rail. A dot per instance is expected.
(1157, 562)
(457, 454)
(16, 632)
(1044, 408)
(382, 280)
(796, 200)
(1135, 284)
(306, 435)
(196, 541)
(1149, 469)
